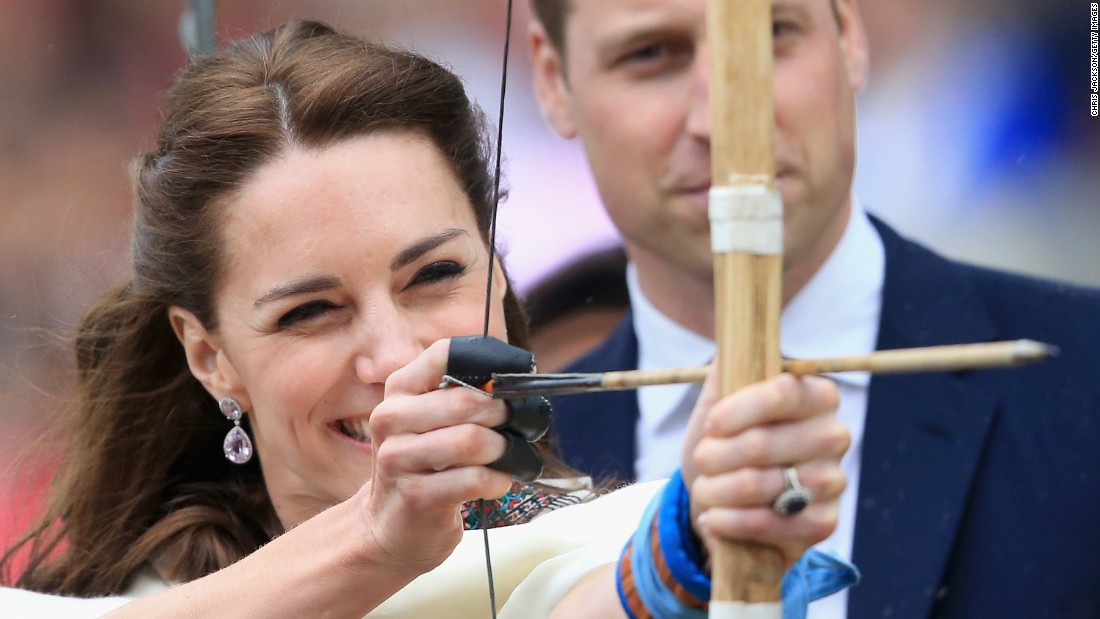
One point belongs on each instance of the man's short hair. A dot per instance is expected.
(552, 15)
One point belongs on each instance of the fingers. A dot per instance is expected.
(748, 439)
(440, 469)
(401, 413)
(783, 398)
(449, 427)
(760, 524)
(696, 425)
(422, 374)
(446, 490)
(820, 437)
(464, 445)
(431, 451)
(414, 404)
(758, 487)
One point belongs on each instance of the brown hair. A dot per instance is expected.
(552, 14)
(143, 480)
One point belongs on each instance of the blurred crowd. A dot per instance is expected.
(974, 133)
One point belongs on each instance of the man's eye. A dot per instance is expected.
(782, 29)
(658, 58)
(649, 52)
(304, 312)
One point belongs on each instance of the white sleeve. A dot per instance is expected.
(534, 564)
(21, 604)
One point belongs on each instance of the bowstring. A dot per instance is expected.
(489, 283)
(496, 171)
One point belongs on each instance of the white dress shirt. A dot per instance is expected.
(836, 313)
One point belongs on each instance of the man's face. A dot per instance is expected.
(633, 84)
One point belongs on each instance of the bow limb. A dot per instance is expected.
(747, 237)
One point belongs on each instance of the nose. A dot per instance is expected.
(386, 341)
(699, 114)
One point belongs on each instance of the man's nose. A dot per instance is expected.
(699, 114)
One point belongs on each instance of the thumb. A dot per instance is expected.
(697, 424)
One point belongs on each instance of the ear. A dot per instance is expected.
(853, 43)
(206, 357)
(551, 86)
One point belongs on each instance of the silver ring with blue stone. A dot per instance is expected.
(794, 498)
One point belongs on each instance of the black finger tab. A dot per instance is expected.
(519, 458)
(474, 359)
(529, 417)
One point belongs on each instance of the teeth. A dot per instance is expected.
(356, 428)
(364, 429)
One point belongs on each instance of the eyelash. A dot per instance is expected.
(430, 274)
(305, 311)
(783, 27)
(648, 53)
(437, 272)
(656, 57)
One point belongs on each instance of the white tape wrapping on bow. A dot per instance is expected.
(746, 218)
(743, 610)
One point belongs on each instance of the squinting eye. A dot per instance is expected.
(657, 58)
(649, 52)
(781, 29)
(304, 312)
(437, 272)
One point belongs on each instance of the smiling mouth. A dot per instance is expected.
(356, 429)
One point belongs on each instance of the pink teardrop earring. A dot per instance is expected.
(236, 446)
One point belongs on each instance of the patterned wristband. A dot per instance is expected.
(658, 574)
(659, 577)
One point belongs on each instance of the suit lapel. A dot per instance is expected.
(595, 432)
(922, 441)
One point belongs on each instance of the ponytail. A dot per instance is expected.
(142, 479)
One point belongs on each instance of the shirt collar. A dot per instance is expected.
(663, 342)
(836, 313)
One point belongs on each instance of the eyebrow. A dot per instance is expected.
(792, 7)
(637, 31)
(322, 283)
(610, 46)
(303, 286)
(423, 246)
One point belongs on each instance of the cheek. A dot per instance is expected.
(462, 314)
(648, 119)
(285, 390)
(798, 109)
(813, 117)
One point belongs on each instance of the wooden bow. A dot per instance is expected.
(747, 236)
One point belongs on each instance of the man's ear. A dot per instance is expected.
(206, 358)
(853, 43)
(551, 85)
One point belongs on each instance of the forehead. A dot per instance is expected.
(587, 14)
(366, 194)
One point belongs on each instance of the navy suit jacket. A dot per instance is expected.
(977, 489)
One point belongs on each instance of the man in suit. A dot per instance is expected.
(970, 494)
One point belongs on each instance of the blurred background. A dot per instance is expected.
(975, 137)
